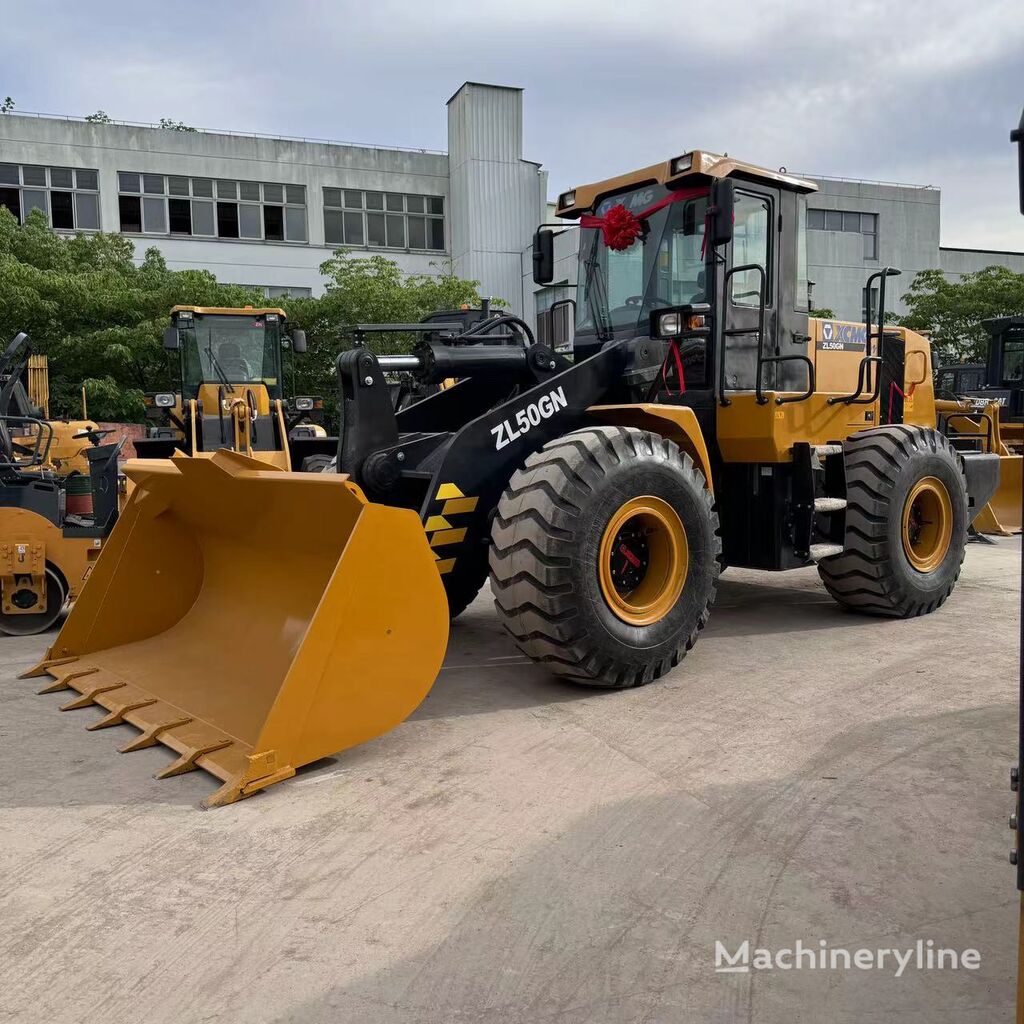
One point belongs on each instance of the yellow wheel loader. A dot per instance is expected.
(983, 405)
(254, 620)
(231, 392)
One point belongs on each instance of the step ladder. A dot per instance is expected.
(818, 523)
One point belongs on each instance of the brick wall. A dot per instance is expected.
(127, 430)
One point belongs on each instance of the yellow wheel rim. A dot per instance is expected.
(927, 524)
(643, 560)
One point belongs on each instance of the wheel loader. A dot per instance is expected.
(983, 405)
(255, 620)
(230, 371)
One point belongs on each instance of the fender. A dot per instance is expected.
(676, 422)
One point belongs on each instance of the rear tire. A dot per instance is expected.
(318, 464)
(561, 586)
(38, 622)
(906, 523)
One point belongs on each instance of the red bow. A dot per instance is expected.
(620, 228)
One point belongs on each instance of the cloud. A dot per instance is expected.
(923, 91)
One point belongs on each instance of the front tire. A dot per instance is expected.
(906, 523)
(604, 556)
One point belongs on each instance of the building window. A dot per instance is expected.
(865, 224)
(864, 311)
(554, 327)
(275, 291)
(383, 220)
(158, 204)
(68, 196)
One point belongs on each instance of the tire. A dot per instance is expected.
(38, 622)
(554, 523)
(888, 483)
(318, 464)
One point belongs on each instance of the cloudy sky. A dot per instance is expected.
(912, 91)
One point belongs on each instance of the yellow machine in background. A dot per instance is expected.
(983, 405)
(231, 391)
(69, 439)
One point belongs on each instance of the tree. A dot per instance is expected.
(175, 126)
(822, 314)
(100, 117)
(100, 316)
(7, 106)
(95, 313)
(952, 311)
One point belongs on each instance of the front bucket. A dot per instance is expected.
(253, 620)
(1002, 515)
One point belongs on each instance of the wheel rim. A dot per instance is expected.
(643, 560)
(36, 622)
(927, 524)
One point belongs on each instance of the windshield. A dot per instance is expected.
(220, 349)
(664, 267)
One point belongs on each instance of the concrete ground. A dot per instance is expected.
(523, 850)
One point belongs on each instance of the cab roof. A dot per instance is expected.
(227, 311)
(702, 165)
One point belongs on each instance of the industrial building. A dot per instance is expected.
(263, 211)
(266, 211)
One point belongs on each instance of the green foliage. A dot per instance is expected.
(175, 126)
(823, 314)
(7, 106)
(100, 117)
(100, 317)
(952, 311)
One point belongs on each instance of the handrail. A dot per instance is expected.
(40, 452)
(864, 370)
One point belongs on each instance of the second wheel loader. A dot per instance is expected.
(254, 620)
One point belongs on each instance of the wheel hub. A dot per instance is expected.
(643, 560)
(927, 524)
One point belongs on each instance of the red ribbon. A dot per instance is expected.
(620, 228)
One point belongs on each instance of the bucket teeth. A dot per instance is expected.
(116, 717)
(151, 735)
(187, 761)
(89, 695)
(63, 682)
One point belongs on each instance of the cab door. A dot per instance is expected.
(750, 298)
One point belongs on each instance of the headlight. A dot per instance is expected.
(164, 400)
(567, 199)
(304, 404)
(682, 163)
(670, 324)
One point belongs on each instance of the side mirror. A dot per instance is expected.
(1017, 135)
(171, 342)
(543, 256)
(723, 206)
(298, 341)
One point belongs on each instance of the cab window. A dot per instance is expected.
(1013, 361)
(750, 244)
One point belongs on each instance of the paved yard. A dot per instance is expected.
(523, 850)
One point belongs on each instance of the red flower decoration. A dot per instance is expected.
(620, 228)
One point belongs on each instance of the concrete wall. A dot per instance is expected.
(113, 148)
(954, 263)
(908, 239)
